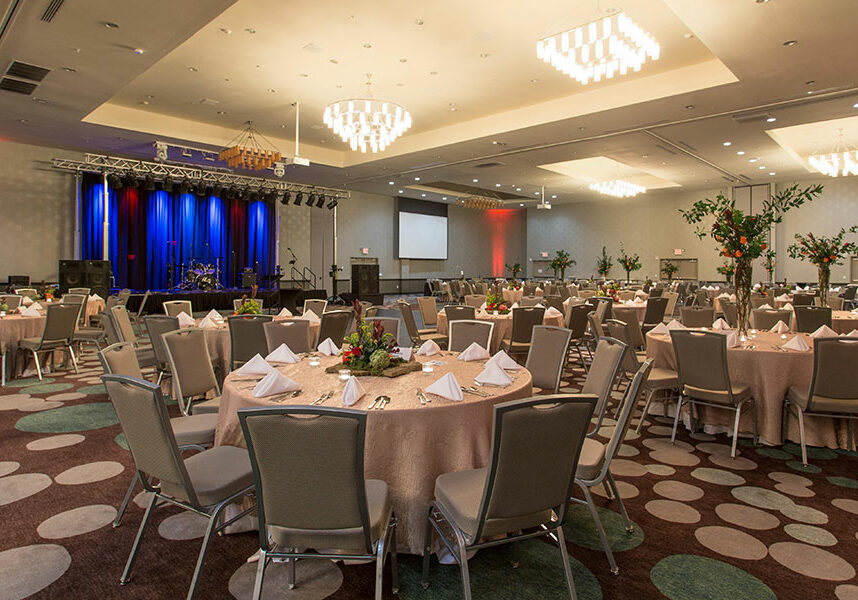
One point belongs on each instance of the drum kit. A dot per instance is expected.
(199, 276)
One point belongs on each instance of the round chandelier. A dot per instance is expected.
(367, 123)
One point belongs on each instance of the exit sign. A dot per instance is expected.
(544, 254)
(677, 251)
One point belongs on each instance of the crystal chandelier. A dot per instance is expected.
(599, 49)
(842, 160)
(367, 122)
(618, 188)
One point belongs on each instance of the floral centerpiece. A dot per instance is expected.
(629, 263)
(604, 263)
(769, 263)
(494, 303)
(669, 269)
(728, 270)
(370, 348)
(4, 307)
(610, 290)
(248, 306)
(47, 292)
(743, 236)
(514, 268)
(514, 285)
(823, 252)
(560, 263)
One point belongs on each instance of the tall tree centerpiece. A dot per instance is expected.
(560, 263)
(629, 263)
(823, 252)
(742, 236)
(769, 263)
(669, 269)
(604, 263)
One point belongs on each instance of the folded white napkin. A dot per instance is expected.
(428, 348)
(629, 303)
(255, 366)
(780, 327)
(567, 301)
(310, 316)
(353, 391)
(540, 305)
(539, 289)
(447, 387)
(185, 320)
(639, 300)
(674, 324)
(640, 294)
(474, 352)
(483, 306)
(31, 312)
(660, 329)
(514, 305)
(95, 297)
(493, 375)
(35, 306)
(721, 325)
(214, 316)
(733, 340)
(26, 301)
(757, 286)
(207, 323)
(404, 353)
(282, 354)
(503, 360)
(733, 298)
(767, 306)
(797, 343)
(853, 333)
(285, 313)
(724, 295)
(787, 306)
(783, 298)
(824, 332)
(553, 312)
(328, 347)
(274, 383)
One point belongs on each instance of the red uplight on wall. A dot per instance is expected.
(500, 223)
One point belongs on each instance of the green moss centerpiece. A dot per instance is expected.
(494, 303)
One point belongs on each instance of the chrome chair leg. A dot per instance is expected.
(73, 359)
(463, 565)
(126, 500)
(649, 396)
(260, 575)
(394, 561)
(602, 535)
(380, 551)
(201, 560)
(126, 574)
(290, 572)
(427, 550)
(801, 435)
(735, 431)
(675, 418)
(567, 569)
(630, 528)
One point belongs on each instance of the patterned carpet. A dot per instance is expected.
(707, 527)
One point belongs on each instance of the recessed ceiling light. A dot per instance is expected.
(484, 54)
(497, 185)
(855, 105)
(389, 183)
(517, 189)
(144, 102)
(554, 197)
(367, 45)
(111, 25)
(644, 155)
(138, 51)
(433, 72)
(221, 112)
(403, 60)
(761, 168)
(334, 61)
(225, 30)
(476, 180)
(811, 82)
(271, 90)
(399, 192)
(688, 36)
(443, 197)
(453, 109)
(741, 153)
(762, 1)
(69, 70)
(23, 120)
(582, 128)
(534, 81)
(39, 100)
(250, 30)
(753, 160)
(399, 84)
(423, 195)
(418, 21)
(535, 193)
(689, 106)
(728, 143)
(771, 120)
(772, 173)
(193, 69)
(416, 179)
(521, 204)
(790, 42)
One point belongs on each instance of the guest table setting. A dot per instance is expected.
(502, 322)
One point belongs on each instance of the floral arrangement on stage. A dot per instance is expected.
(669, 269)
(514, 268)
(249, 306)
(610, 290)
(728, 270)
(769, 263)
(629, 263)
(370, 348)
(494, 303)
(823, 252)
(560, 263)
(604, 263)
(742, 236)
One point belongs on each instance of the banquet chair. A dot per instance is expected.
(586, 293)
(577, 322)
(629, 316)
(521, 332)
(429, 313)
(475, 300)
(205, 484)
(193, 373)
(704, 378)
(80, 290)
(58, 335)
(417, 337)
(701, 299)
(464, 333)
(312, 491)
(594, 464)
(246, 338)
(457, 312)
(810, 318)
(835, 302)
(529, 288)
(30, 293)
(467, 289)
(80, 301)
(670, 308)
(848, 296)
(762, 318)
(549, 349)
(194, 432)
(372, 310)
(137, 318)
(481, 288)
(156, 326)
(12, 301)
(125, 332)
(123, 296)
(697, 316)
(334, 325)
(596, 329)
(758, 300)
(656, 292)
(833, 390)
(564, 292)
(294, 333)
(172, 308)
(602, 375)
(316, 305)
(624, 295)
(802, 299)
(603, 307)
(731, 313)
(526, 485)
(455, 290)
(553, 301)
(528, 301)
(630, 363)
(390, 324)
(237, 302)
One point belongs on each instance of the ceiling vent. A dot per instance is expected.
(51, 10)
(687, 146)
(13, 85)
(26, 71)
(488, 165)
(665, 148)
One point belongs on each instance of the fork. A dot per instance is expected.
(421, 397)
(323, 397)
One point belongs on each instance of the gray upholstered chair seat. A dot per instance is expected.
(798, 396)
(591, 459)
(146, 357)
(662, 379)
(741, 392)
(89, 334)
(461, 493)
(215, 474)
(378, 506)
(197, 429)
(35, 343)
(206, 407)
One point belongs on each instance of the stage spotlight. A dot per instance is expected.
(167, 184)
(298, 198)
(185, 186)
(311, 199)
(149, 183)
(287, 195)
(332, 203)
(253, 197)
(245, 193)
(131, 181)
(114, 181)
(321, 201)
(229, 193)
(217, 190)
(201, 190)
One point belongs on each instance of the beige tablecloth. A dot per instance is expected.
(503, 326)
(843, 321)
(510, 295)
(640, 309)
(770, 372)
(407, 445)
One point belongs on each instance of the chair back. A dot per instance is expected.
(603, 307)
(656, 307)
(758, 300)
(61, 323)
(810, 318)
(172, 308)
(156, 326)
(701, 298)
(372, 311)
(316, 305)
(527, 301)
(408, 319)
(697, 316)
(308, 468)
(110, 332)
(629, 316)
(554, 301)
(459, 312)
(31, 293)
(80, 301)
(85, 291)
(835, 302)
(627, 409)
(564, 292)
(529, 288)
(237, 302)
(763, 318)
(619, 330)
(295, 333)
(390, 324)
(849, 292)
(596, 329)
(120, 359)
(672, 298)
(143, 303)
(334, 325)
(246, 337)
(13, 301)
(529, 476)
(523, 322)
(731, 312)
(578, 320)
(656, 292)
(802, 299)
(546, 358)
(123, 296)
(190, 363)
(122, 323)
(586, 293)
(464, 333)
(475, 300)
(603, 372)
(624, 295)
(834, 361)
(428, 310)
(149, 435)
(701, 363)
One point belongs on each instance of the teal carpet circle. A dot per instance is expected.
(91, 390)
(69, 419)
(16, 383)
(121, 441)
(692, 577)
(845, 482)
(813, 453)
(796, 465)
(774, 453)
(581, 530)
(46, 388)
(493, 576)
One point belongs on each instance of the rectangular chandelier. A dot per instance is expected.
(836, 163)
(599, 49)
(618, 188)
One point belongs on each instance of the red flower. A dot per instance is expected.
(743, 240)
(738, 253)
(825, 259)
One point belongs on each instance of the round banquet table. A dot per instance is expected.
(640, 308)
(408, 445)
(510, 295)
(14, 328)
(770, 371)
(844, 321)
(503, 325)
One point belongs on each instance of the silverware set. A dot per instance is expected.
(379, 403)
(473, 390)
(322, 398)
(424, 399)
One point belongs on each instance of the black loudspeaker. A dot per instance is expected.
(365, 280)
(94, 274)
(248, 279)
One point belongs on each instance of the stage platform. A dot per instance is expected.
(290, 298)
